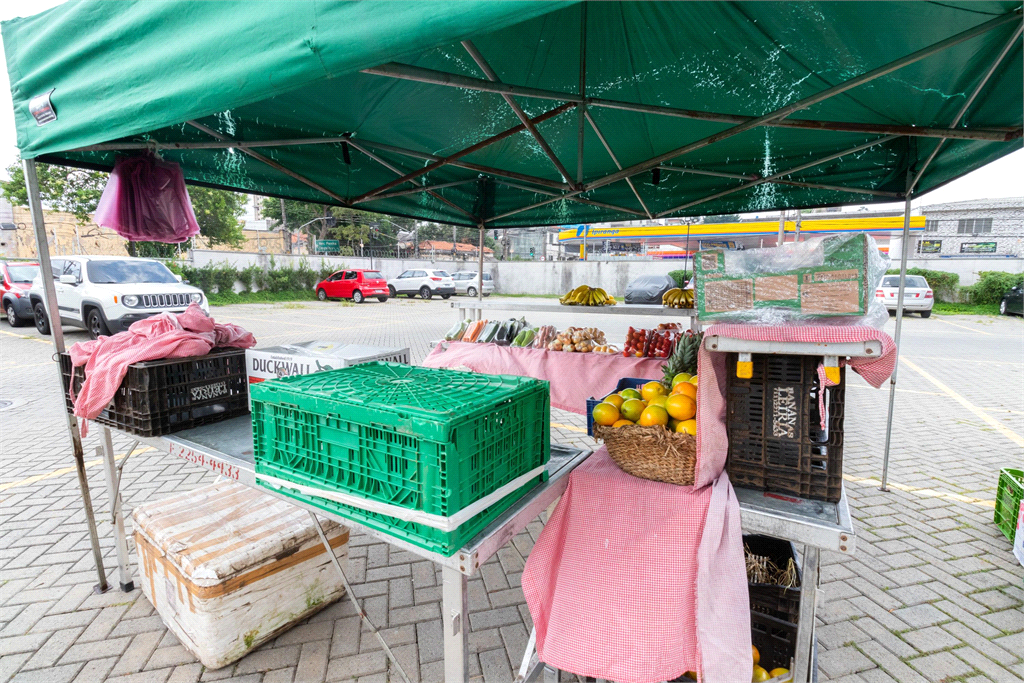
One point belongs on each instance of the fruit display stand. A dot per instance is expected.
(227, 448)
(473, 309)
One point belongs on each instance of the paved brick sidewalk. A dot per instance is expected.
(932, 594)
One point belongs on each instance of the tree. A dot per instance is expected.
(78, 192)
(724, 218)
(63, 188)
(351, 227)
(217, 212)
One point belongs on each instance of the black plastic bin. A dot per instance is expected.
(775, 438)
(164, 396)
(774, 600)
(775, 640)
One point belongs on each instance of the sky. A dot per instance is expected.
(1001, 178)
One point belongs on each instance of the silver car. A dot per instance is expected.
(467, 281)
(917, 295)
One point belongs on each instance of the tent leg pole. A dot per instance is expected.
(904, 250)
(480, 274)
(50, 292)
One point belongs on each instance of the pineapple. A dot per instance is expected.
(684, 358)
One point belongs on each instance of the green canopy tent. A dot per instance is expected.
(509, 114)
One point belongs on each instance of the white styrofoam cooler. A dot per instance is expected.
(313, 356)
(228, 568)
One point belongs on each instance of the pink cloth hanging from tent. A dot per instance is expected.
(145, 200)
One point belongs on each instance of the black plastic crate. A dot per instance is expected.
(775, 438)
(775, 640)
(160, 397)
(774, 600)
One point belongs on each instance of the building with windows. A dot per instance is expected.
(984, 227)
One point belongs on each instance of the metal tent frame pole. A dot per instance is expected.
(912, 181)
(57, 332)
(899, 328)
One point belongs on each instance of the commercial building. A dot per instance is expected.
(985, 228)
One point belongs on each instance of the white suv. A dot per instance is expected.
(426, 283)
(106, 294)
(466, 282)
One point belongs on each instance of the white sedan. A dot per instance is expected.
(917, 295)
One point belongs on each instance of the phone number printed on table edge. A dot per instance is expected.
(210, 463)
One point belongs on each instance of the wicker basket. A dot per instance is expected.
(651, 452)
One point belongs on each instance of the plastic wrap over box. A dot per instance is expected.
(228, 568)
(827, 277)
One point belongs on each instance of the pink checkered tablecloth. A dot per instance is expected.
(574, 377)
(637, 581)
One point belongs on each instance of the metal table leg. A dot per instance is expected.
(808, 606)
(116, 510)
(454, 621)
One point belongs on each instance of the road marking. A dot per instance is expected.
(898, 391)
(964, 327)
(942, 357)
(980, 412)
(25, 336)
(559, 425)
(928, 493)
(67, 470)
(1004, 410)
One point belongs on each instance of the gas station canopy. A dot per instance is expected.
(529, 113)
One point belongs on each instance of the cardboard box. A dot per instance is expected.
(228, 568)
(1018, 540)
(314, 356)
(837, 287)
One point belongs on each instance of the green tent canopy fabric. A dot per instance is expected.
(710, 107)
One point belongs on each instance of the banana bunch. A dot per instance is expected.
(678, 298)
(585, 295)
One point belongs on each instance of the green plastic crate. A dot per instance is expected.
(420, 438)
(1008, 497)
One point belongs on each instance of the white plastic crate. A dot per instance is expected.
(228, 568)
(315, 356)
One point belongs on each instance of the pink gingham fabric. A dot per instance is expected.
(166, 335)
(611, 581)
(874, 370)
(574, 377)
(638, 581)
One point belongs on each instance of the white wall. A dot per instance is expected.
(558, 277)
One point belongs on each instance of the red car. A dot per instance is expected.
(15, 279)
(353, 284)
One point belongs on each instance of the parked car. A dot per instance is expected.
(15, 279)
(648, 289)
(356, 284)
(467, 281)
(426, 283)
(1013, 301)
(106, 294)
(917, 295)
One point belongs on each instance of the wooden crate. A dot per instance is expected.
(228, 568)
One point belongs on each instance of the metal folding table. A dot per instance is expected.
(227, 449)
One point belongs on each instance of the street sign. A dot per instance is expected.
(328, 246)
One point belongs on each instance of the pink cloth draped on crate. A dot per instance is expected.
(166, 335)
(639, 581)
(574, 377)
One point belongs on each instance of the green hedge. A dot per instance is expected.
(680, 276)
(220, 279)
(992, 285)
(945, 285)
(988, 290)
